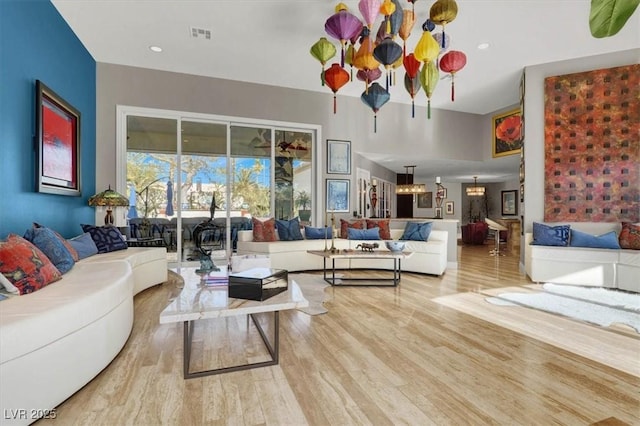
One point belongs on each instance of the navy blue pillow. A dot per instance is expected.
(364, 234)
(84, 245)
(311, 233)
(416, 231)
(545, 235)
(52, 247)
(289, 230)
(582, 239)
(107, 238)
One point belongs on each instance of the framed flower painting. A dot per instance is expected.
(507, 133)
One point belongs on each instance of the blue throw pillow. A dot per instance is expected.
(363, 234)
(545, 235)
(289, 230)
(311, 233)
(52, 247)
(107, 238)
(416, 231)
(582, 239)
(84, 245)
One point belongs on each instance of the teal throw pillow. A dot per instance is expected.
(364, 234)
(311, 233)
(289, 230)
(417, 231)
(545, 235)
(606, 241)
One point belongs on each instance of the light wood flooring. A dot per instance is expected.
(380, 356)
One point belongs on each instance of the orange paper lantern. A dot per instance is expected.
(335, 77)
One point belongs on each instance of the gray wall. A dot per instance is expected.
(448, 134)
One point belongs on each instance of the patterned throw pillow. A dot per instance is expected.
(383, 224)
(25, 266)
(416, 231)
(52, 247)
(107, 238)
(289, 230)
(356, 224)
(264, 232)
(629, 236)
(72, 250)
(545, 235)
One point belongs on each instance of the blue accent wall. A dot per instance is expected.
(37, 44)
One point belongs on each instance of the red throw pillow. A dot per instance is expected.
(383, 224)
(264, 232)
(629, 236)
(356, 224)
(25, 265)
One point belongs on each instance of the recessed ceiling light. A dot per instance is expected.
(483, 46)
(156, 49)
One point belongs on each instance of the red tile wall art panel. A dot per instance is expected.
(592, 146)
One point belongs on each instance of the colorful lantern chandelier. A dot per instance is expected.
(367, 50)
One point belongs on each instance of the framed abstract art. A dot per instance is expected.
(57, 144)
(338, 157)
(338, 195)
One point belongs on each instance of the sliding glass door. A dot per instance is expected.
(195, 182)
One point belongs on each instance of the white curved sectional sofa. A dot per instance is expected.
(429, 257)
(55, 340)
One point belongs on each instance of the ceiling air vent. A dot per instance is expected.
(202, 33)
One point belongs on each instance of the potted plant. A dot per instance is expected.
(303, 202)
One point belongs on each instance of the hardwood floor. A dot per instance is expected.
(380, 356)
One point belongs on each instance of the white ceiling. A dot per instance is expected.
(268, 42)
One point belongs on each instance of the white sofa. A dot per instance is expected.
(55, 340)
(611, 268)
(429, 257)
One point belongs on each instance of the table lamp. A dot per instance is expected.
(109, 198)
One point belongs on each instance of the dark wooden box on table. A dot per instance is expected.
(258, 283)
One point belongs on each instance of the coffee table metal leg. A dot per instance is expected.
(324, 268)
(273, 350)
(333, 272)
(395, 271)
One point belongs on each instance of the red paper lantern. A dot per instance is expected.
(412, 65)
(452, 62)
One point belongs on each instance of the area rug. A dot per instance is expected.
(313, 287)
(595, 305)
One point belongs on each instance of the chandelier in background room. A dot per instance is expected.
(475, 190)
(371, 51)
(410, 188)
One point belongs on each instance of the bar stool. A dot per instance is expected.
(497, 230)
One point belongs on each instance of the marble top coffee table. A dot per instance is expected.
(198, 301)
(359, 254)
